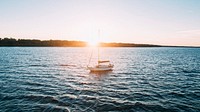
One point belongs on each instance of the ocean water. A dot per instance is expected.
(143, 80)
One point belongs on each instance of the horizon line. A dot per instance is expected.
(129, 43)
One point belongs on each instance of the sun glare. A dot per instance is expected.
(93, 43)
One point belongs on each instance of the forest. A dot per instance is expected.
(62, 43)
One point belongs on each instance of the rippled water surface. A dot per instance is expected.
(55, 79)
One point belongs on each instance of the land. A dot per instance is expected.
(64, 43)
(40, 43)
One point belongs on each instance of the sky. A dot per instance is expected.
(162, 22)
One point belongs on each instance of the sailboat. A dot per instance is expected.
(102, 65)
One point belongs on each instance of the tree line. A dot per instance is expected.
(41, 43)
(62, 43)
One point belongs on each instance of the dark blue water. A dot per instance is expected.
(55, 79)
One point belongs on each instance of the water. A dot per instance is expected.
(55, 79)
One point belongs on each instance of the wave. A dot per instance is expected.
(37, 65)
(67, 65)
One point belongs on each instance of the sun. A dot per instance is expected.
(92, 43)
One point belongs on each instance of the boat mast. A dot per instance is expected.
(98, 46)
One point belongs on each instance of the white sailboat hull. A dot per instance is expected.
(101, 68)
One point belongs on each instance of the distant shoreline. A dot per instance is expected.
(11, 42)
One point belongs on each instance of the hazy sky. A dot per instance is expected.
(165, 22)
